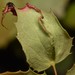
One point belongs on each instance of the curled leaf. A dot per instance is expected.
(43, 39)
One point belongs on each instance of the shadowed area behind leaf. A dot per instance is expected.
(13, 58)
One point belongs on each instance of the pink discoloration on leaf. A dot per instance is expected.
(33, 7)
(11, 8)
(29, 6)
(24, 9)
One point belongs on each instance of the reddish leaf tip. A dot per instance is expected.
(10, 8)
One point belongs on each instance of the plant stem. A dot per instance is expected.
(54, 68)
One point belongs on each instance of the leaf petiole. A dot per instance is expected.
(54, 68)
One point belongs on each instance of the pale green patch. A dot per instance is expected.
(42, 49)
(62, 40)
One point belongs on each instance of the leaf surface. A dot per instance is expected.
(44, 41)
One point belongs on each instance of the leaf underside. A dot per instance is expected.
(43, 43)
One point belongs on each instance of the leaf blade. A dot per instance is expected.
(34, 46)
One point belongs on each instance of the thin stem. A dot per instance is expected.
(54, 68)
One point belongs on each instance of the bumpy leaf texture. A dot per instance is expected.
(43, 39)
(71, 71)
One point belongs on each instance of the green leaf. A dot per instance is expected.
(44, 41)
(29, 72)
(71, 71)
